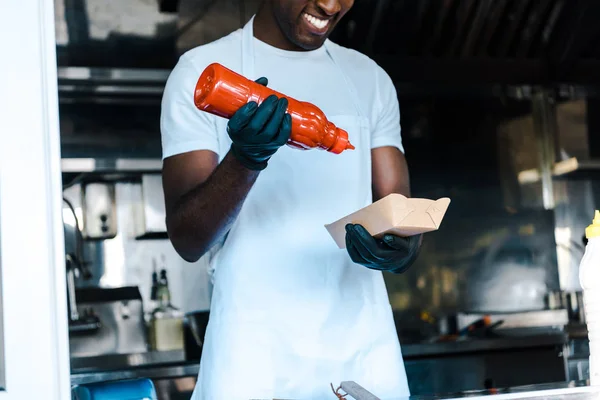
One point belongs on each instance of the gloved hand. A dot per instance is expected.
(257, 132)
(392, 253)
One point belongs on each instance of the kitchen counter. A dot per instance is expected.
(512, 342)
(110, 362)
(173, 365)
(154, 365)
(559, 391)
(554, 391)
(164, 371)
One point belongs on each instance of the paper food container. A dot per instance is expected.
(395, 214)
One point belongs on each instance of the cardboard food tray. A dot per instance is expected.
(395, 214)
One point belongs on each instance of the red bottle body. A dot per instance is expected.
(222, 92)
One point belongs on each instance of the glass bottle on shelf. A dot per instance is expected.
(166, 323)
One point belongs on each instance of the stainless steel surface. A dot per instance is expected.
(122, 329)
(155, 372)
(86, 165)
(153, 201)
(73, 313)
(110, 362)
(113, 75)
(127, 261)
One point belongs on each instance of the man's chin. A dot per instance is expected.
(310, 44)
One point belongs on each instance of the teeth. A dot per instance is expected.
(316, 22)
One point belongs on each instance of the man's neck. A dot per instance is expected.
(267, 30)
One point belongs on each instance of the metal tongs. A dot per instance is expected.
(353, 390)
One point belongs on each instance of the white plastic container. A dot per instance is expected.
(589, 277)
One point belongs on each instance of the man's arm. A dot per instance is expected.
(390, 172)
(202, 199)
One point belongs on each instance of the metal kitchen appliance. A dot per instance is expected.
(99, 211)
(121, 329)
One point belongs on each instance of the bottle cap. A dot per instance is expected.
(342, 143)
(593, 230)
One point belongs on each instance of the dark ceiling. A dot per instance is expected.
(499, 41)
(458, 42)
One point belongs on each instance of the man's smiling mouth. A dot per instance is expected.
(320, 24)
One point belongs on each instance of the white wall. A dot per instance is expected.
(34, 308)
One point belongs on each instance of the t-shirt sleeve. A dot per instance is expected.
(183, 127)
(387, 131)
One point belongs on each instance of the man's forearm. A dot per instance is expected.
(205, 214)
(390, 172)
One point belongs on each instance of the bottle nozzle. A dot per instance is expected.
(597, 217)
(341, 142)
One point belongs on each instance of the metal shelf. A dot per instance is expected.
(110, 84)
(101, 165)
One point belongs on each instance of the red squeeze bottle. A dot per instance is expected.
(222, 92)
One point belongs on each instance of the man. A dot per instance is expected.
(290, 312)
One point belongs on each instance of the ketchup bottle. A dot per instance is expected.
(222, 92)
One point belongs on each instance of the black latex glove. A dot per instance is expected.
(391, 253)
(257, 132)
